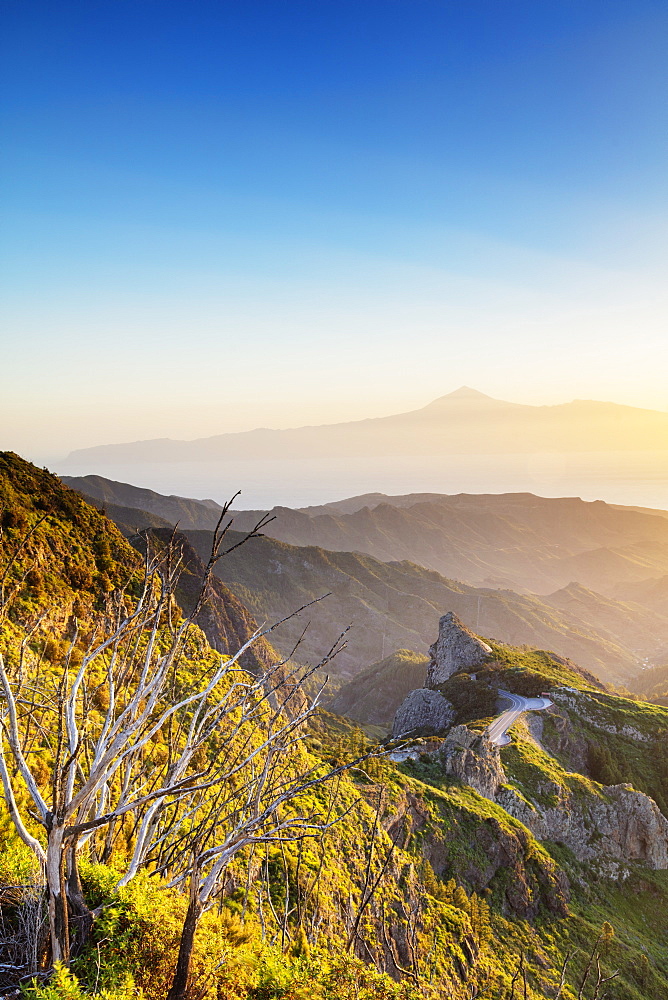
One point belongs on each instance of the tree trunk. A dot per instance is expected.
(55, 878)
(180, 981)
(80, 916)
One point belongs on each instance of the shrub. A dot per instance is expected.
(64, 985)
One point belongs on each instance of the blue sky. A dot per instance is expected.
(225, 215)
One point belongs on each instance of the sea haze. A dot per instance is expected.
(294, 482)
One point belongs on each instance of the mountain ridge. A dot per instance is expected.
(519, 540)
(626, 625)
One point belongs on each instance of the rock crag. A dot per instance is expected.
(423, 713)
(472, 759)
(611, 824)
(456, 648)
(622, 823)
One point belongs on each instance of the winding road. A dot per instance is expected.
(497, 733)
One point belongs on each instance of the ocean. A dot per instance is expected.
(630, 478)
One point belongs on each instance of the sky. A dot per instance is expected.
(219, 216)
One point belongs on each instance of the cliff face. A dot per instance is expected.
(423, 713)
(622, 824)
(473, 760)
(595, 822)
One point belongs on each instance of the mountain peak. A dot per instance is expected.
(465, 394)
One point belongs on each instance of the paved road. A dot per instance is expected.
(498, 731)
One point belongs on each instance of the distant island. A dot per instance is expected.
(462, 422)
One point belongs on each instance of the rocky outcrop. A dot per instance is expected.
(609, 825)
(456, 648)
(633, 827)
(473, 760)
(584, 705)
(423, 713)
(561, 738)
(622, 823)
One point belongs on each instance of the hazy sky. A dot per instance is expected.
(219, 215)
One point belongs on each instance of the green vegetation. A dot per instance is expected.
(68, 556)
(530, 671)
(423, 888)
(375, 694)
(473, 699)
(652, 685)
(625, 741)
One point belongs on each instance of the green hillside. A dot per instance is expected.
(70, 559)
(446, 874)
(374, 695)
(67, 555)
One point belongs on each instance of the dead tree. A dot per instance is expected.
(232, 774)
(264, 792)
(102, 764)
(97, 763)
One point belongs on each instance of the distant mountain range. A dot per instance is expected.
(462, 422)
(517, 541)
(392, 602)
(397, 605)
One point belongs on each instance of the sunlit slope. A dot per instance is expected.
(589, 731)
(652, 593)
(61, 556)
(652, 684)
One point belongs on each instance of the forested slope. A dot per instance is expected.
(443, 874)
